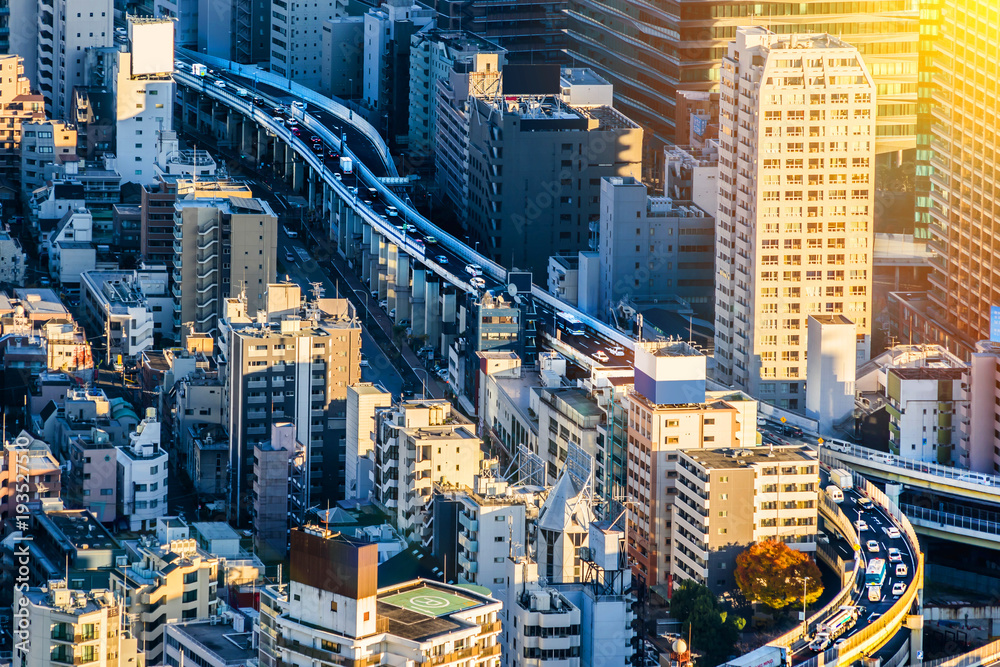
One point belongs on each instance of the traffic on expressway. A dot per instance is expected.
(880, 540)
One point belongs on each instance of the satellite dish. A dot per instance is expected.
(512, 289)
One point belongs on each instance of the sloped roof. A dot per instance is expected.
(566, 506)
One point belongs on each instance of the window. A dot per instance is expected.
(107, 492)
(333, 605)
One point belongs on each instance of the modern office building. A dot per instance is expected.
(333, 610)
(796, 206)
(385, 92)
(728, 499)
(671, 410)
(74, 627)
(290, 361)
(222, 248)
(981, 442)
(67, 31)
(536, 164)
(961, 73)
(650, 55)
(144, 92)
(417, 445)
(653, 248)
(297, 38)
(532, 31)
(142, 476)
(434, 55)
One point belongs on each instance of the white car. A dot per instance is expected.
(478, 282)
(892, 532)
(898, 588)
(601, 356)
(901, 570)
(861, 525)
(364, 363)
(383, 304)
(219, 83)
(616, 350)
(894, 555)
(290, 233)
(872, 546)
(474, 269)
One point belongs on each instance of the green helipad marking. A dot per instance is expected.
(429, 601)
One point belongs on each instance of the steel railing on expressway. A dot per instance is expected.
(984, 655)
(407, 213)
(300, 92)
(883, 460)
(950, 520)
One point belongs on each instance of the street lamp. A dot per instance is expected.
(423, 381)
(365, 295)
(805, 623)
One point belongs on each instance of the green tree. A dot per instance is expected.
(771, 573)
(713, 631)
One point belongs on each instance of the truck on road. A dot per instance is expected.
(346, 165)
(199, 70)
(842, 478)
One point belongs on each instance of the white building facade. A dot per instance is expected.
(796, 207)
(142, 476)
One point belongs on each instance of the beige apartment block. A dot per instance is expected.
(421, 444)
(17, 105)
(730, 498)
(796, 206)
(73, 627)
(222, 248)
(176, 580)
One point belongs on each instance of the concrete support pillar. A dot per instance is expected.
(366, 249)
(263, 154)
(418, 289)
(915, 622)
(432, 312)
(402, 287)
(298, 172)
(246, 140)
(311, 188)
(449, 316)
(278, 158)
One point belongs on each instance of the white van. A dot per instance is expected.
(836, 495)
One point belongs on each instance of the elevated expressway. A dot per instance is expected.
(417, 267)
(420, 270)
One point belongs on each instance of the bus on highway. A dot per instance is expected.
(875, 572)
(569, 323)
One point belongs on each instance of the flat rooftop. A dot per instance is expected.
(421, 611)
(928, 373)
(80, 528)
(740, 458)
(220, 640)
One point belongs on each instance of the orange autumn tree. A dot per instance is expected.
(771, 573)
